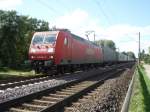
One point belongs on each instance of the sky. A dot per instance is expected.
(117, 20)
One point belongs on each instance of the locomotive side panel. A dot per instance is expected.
(78, 51)
(58, 49)
(63, 52)
(85, 52)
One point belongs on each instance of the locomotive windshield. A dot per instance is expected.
(38, 39)
(49, 39)
(46, 39)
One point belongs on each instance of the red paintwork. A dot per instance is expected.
(41, 52)
(75, 52)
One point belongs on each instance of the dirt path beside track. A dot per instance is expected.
(147, 69)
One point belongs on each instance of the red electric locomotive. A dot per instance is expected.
(61, 50)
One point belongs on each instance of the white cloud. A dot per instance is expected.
(73, 21)
(124, 35)
(9, 4)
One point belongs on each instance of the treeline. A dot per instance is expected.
(145, 57)
(112, 45)
(15, 35)
(108, 43)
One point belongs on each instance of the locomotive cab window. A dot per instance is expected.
(65, 41)
(38, 39)
(50, 39)
(46, 39)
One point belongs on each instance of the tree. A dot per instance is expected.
(124, 53)
(131, 54)
(108, 43)
(15, 35)
(142, 55)
(147, 59)
(9, 37)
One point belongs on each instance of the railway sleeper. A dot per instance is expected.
(78, 87)
(75, 104)
(74, 89)
(58, 95)
(67, 93)
(51, 99)
(69, 109)
(41, 101)
(86, 83)
(24, 108)
(82, 100)
(41, 104)
(87, 97)
(33, 106)
(90, 94)
(19, 110)
(68, 90)
(82, 85)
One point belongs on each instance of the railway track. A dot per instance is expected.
(19, 78)
(59, 96)
(21, 82)
(13, 84)
(87, 101)
(22, 90)
(16, 83)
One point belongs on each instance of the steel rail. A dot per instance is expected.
(60, 105)
(19, 100)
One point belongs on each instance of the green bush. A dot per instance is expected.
(15, 35)
(147, 59)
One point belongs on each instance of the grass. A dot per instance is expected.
(6, 73)
(140, 101)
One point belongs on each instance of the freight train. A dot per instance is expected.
(60, 50)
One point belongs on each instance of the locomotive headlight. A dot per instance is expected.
(33, 50)
(50, 50)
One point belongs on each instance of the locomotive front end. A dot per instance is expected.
(42, 50)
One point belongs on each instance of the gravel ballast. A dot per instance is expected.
(23, 90)
(108, 97)
(11, 93)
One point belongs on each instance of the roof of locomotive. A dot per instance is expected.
(46, 32)
(65, 30)
(83, 40)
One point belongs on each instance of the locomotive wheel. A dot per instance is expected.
(61, 69)
(37, 70)
(84, 68)
(71, 69)
(45, 70)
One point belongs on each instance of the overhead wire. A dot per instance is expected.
(109, 22)
(44, 3)
(103, 12)
(106, 16)
(65, 6)
(53, 10)
(49, 7)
